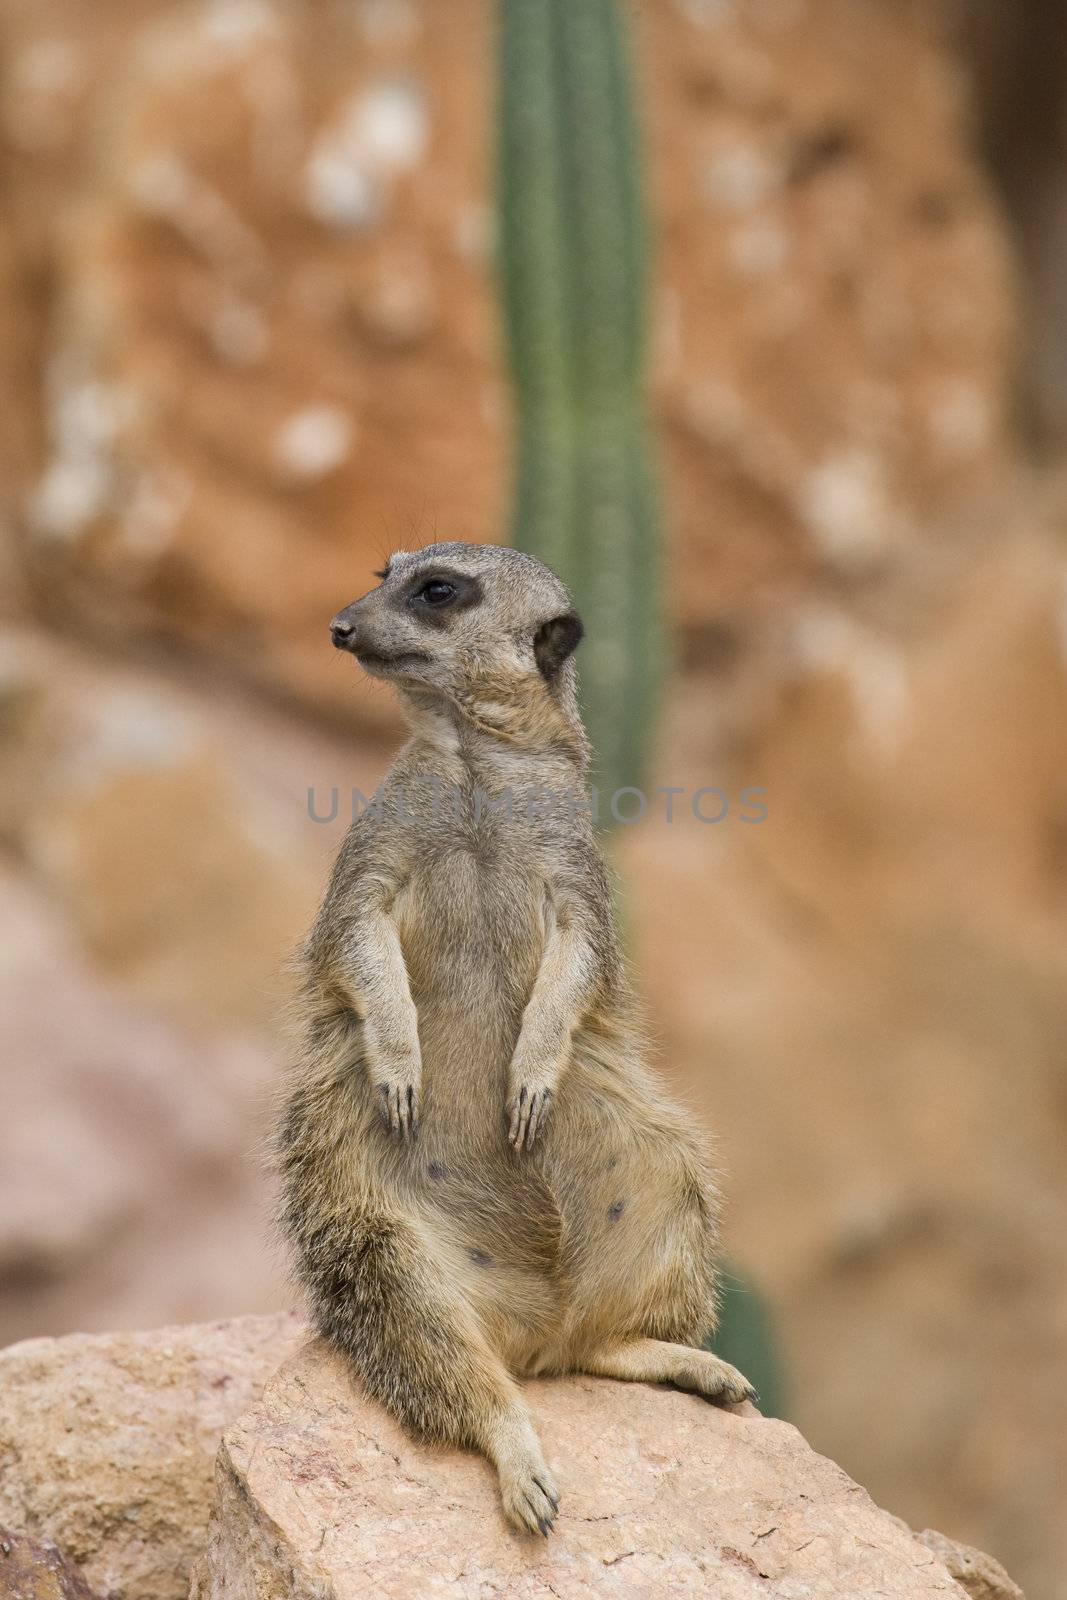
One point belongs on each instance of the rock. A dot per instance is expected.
(128, 1141)
(272, 347)
(71, 1173)
(981, 1576)
(824, 393)
(254, 380)
(187, 875)
(319, 1492)
(159, 866)
(31, 1571)
(106, 1444)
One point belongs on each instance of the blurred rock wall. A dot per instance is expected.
(252, 332)
(1019, 57)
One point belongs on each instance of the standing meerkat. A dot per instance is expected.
(481, 1176)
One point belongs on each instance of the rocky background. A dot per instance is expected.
(248, 344)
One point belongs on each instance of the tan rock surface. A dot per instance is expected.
(183, 867)
(106, 1443)
(132, 1189)
(981, 1576)
(319, 1492)
(32, 1571)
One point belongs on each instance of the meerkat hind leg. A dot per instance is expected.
(656, 1361)
(421, 1352)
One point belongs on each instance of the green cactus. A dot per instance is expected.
(747, 1337)
(572, 274)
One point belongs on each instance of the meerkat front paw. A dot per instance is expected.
(398, 1096)
(527, 1111)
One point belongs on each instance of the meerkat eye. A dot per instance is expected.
(436, 593)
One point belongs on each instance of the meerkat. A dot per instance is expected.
(480, 1175)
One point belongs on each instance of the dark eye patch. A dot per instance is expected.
(435, 596)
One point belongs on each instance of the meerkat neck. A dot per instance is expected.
(498, 734)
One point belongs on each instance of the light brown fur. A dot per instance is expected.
(481, 1176)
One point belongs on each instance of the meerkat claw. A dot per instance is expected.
(549, 1493)
(400, 1110)
(519, 1111)
(538, 1114)
(531, 1501)
(528, 1112)
(720, 1382)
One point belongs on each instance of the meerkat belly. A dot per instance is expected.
(472, 946)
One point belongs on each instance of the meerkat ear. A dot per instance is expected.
(555, 640)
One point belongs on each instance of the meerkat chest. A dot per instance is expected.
(472, 927)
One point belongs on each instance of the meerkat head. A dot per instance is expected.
(488, 629)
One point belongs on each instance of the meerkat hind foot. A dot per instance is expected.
(657, 1361)
(527, 1488)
